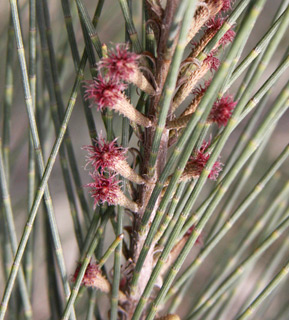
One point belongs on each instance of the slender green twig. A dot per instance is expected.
(31, 161)
(12, 234)
(275, 32)
(40, 163)
(237, 188)
(6, 132)
(70, 32)
(54, 292)
(164, 228)
(265, 293)
(245, 242)
(242, 266)
(89, 26)
(275, 262)
(53, 89)
(84, 264)
(130, 26)
(110, 250)
(186, 284)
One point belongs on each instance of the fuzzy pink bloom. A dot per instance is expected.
(199, 160)
(222, 110)
(103, 92)
(227, 37)
(91, 272)
(104, 154)
(104, 189)
(201, 89)
(215, 24)
(212, 61)
(120, 63)
(226, 5)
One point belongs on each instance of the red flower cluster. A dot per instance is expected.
(200, 90)
(199, 160)
(222, 110)
(104, 92)
(104, 189)
(226, 5)
(91, 272)
(104, 154)
(121, 64)
(212, 61)
(215, 24)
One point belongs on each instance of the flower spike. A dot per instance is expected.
(105, 92)
(93, 278)
(222, 110)
(106, 189)
(197, 163)
(122, 64)
(104, 154)
(109, 155)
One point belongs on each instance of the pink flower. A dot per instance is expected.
(120, 63)
(91, 273)
(104, 189)
(222, 110)
(200, 90)
(227, 37)
(104, 92)
(198, 161)
(212, 61)
(226, 5)
(104, 154)
(215, 24)
(107, 93)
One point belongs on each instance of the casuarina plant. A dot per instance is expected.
(168, 123)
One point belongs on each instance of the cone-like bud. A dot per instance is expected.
(93, 278)
(210, 63)
(122, 64)
(106, 92)
(207, 10)
(108, 155)
(198, 95)
(106, 189)
(222, 110)
(196, 165)
(212, 27)
(220, 113)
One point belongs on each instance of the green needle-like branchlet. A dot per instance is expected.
(242, 266)
(213, 77)
(12, 235)
(265, 293)
(44, 189)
